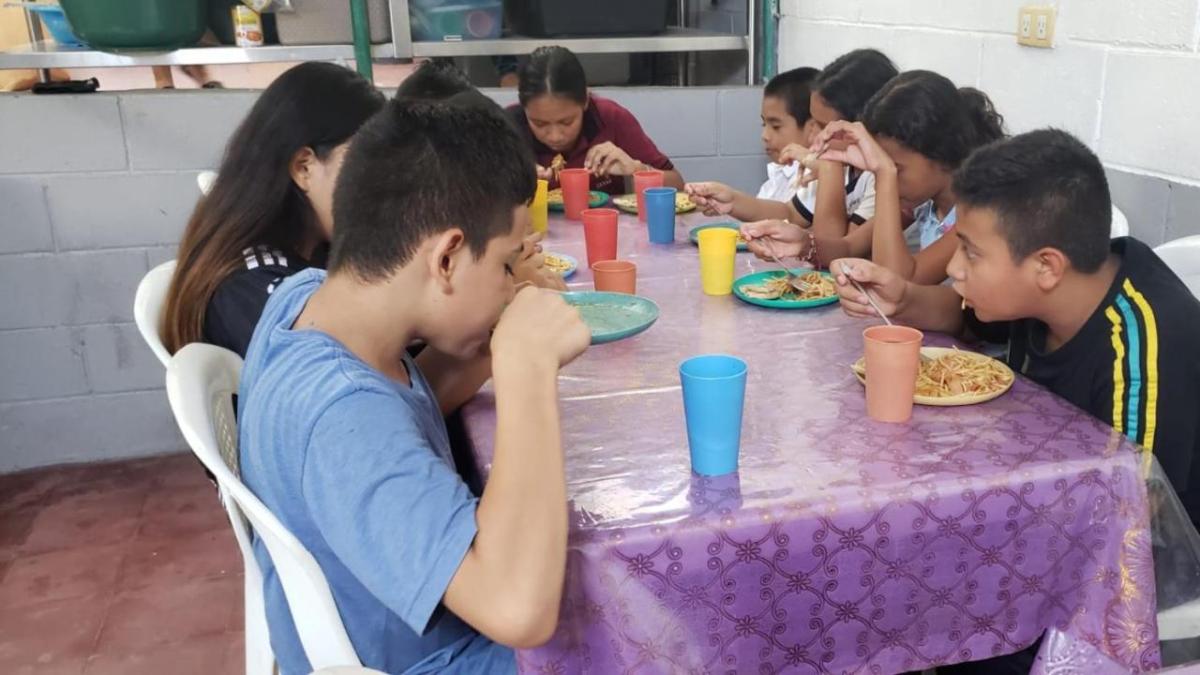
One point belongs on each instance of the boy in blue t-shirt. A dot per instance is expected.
(341, 430)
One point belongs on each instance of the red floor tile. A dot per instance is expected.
(166, 563)
(86, 519)
(27, 488)
(50, 636)
(175, 511)
(60, 575)
(15, 527)
(142, 620)
(199, 656)
(181, 470)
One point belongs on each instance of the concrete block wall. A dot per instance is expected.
(1123, 77)
(96, 189)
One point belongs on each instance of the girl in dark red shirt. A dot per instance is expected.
(561, 119)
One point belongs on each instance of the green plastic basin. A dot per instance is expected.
(120, 25)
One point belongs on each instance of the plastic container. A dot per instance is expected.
(221, 24)
(56, 23)
(128, 25)
(553, 18)
(327, 22)
(442, 20)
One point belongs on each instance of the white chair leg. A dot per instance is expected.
(260, 659)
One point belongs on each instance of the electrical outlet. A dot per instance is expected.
(1035, 26)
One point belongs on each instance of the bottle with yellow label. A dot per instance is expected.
(247, 26)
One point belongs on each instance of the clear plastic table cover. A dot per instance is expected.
(841, 544)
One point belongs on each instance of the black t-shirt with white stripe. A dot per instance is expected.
(237, 304)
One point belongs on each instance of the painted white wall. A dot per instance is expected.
(1124, 75)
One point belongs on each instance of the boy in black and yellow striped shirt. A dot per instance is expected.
(1104, 324)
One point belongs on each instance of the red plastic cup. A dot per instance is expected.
(600, 234)
(641, 181)
(575, 186)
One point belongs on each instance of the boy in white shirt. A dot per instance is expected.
(786, 121)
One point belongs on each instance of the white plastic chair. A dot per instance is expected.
(1120, 224)
(201, 380)
(205, 180)
(148, 305)
(1183, 257)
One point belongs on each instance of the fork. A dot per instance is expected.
(793, 280)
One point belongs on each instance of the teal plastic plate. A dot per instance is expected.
(571, 263)
(595, 201)
(613, 316)
(694, 234)
(760, 277)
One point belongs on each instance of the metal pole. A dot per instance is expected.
(770, 39)
(752, 43)
(35, 38)
(362, 38)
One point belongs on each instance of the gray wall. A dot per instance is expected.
(95, 190)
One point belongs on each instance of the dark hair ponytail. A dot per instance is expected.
(987, 123)
(852, 79)
(926, 112)
(555, 71)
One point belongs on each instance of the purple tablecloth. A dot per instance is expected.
(841, 545)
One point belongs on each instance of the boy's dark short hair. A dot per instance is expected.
(419, 168)
(793, 87)
(434, 81)
(1047, 189)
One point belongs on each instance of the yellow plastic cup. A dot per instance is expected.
(538, 209)
(718, 249)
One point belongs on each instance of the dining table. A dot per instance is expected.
(840, 544)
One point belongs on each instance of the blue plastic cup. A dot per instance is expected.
(714, 391)
(660, 214)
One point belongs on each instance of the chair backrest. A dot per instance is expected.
(205, 180)
(201, 380)
(1120, 224)
(148, 305)
(1183, 257)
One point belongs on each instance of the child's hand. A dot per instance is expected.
(544, 173)
(851, 143)
(531, 266)
(714, 199)
(794, 152)
(887, 287)
(606, 159)
(786, 240)
(538, 324)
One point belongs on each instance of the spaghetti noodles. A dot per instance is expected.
(817, 287)
(961, 373)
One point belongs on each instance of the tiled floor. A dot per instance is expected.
(126, 567)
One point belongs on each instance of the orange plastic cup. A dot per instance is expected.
(641, 181)
(600, 234)
(893, 357)
(575, 185)
(615, 276)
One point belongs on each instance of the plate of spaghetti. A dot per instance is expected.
(952, 377)
(561, 263)
(554, 199)
(628, 203)
(771, 289)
